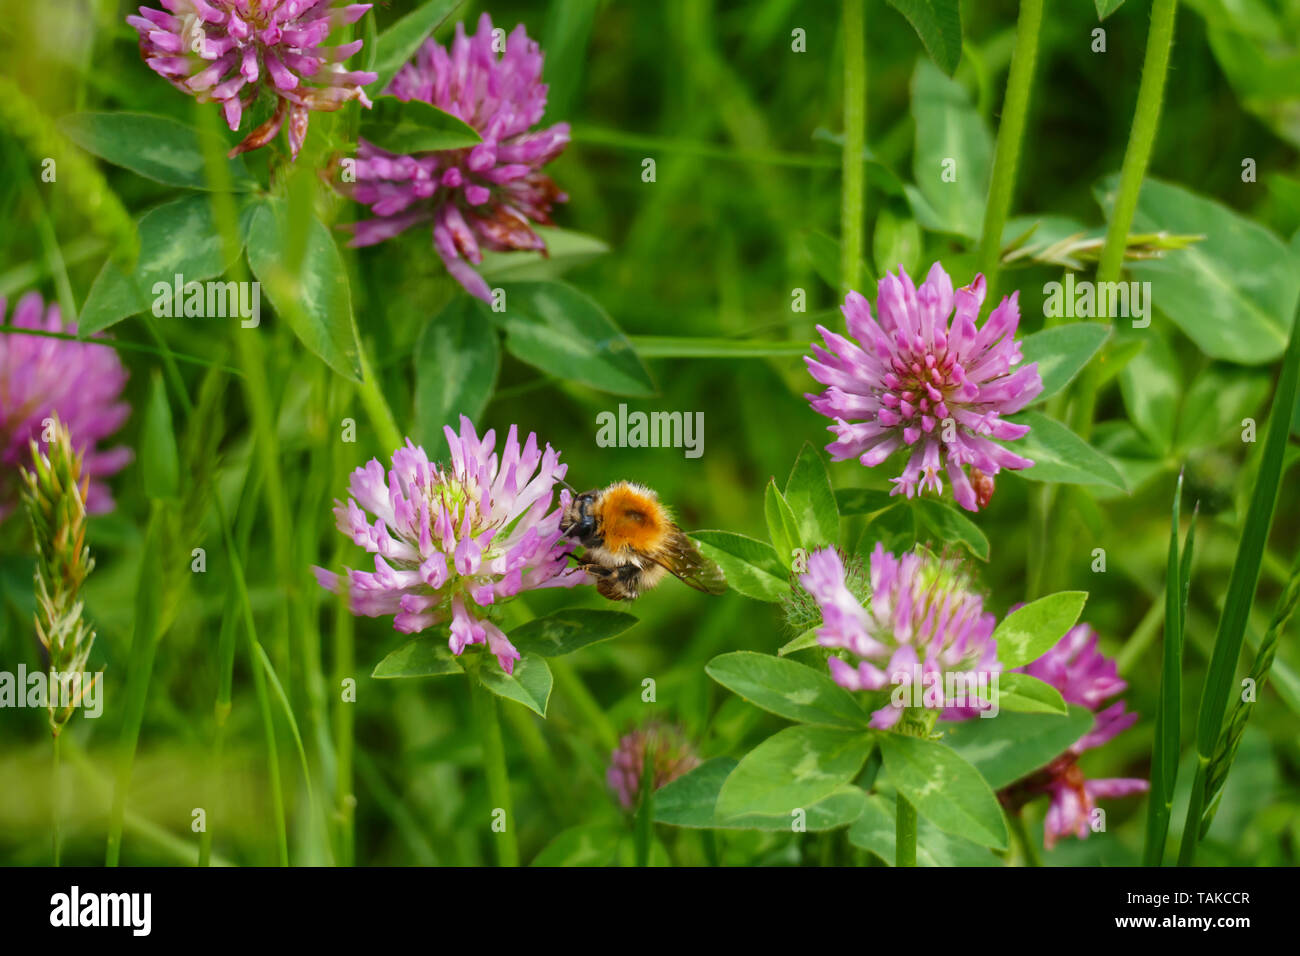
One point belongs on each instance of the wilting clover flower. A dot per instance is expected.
(1085, 677)
(926, 379)
(667, 750)
(484, 197)
(226, 51)
(452, 541)
(920, 627)
(42, 377)
(54, 496)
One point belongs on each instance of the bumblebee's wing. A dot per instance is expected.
(679, 556)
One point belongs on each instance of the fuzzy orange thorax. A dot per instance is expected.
(632, 519)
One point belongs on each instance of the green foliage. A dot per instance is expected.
(944, 788)
(949, 525)
(752, 567)
(782, 526)
(1168, 729)
(1059, 455)
(1027, 633)
(156, 147)
(530, 684)
(696, 290)
(567, 631)
(413, 126)
(787, 689)
(938, 24)
(691, 801)
(422, 657)
(811, 500)
(398, 43)
(176, 238)
(159, 462)
(457, 360)
(1061, 352)
(1241, 269)
(1021, 693)
(563, 332)
(791, 770)
(1241, 594)
(874, 831)
(1011, 746)
(316, 302)
(953, 155)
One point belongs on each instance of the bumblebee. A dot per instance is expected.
(630, 542)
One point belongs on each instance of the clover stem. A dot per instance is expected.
(488, 720)
(1011, 132)
(56, 801)
(1021, 834)
(904, 833)
(1146, 119)
(852, 195)
(376, 406)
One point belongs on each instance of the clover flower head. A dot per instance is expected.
(925, 378)
(226, 51)
(80, 383)
(1086, 677)
(452, 541)
(484, 197)
(923, 622)
(668, 751)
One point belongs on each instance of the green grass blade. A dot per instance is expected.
(667, 346)
(293, 723)
(1241, 593)
(1230, 740)
(144, 642)
(122, 346)
(590, 135)
(1164, 754)
(644, 826)
(259, 686)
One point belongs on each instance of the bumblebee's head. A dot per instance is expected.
(579, 519)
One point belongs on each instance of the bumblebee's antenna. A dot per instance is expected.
(567, 485)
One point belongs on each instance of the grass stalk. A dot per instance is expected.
(1168, 729)
(376, 406)
(488, 720)
(576, 693)
(56, 802)
(644, 824)
(1011, 132)
(1142, 136)
(904, 832)
(1236, 725)
(1241, 594)
(1020, 832)
(144, 642)
(853, 188)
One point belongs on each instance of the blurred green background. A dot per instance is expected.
(742, 130)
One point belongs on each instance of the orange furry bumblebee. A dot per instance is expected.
(631, 542)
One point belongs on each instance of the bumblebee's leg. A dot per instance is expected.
(608, 587)
(629, 577)
(579, 566)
